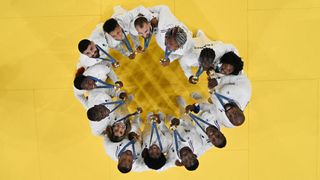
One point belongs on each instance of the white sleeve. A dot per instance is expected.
(135, 124)
(97, 128)
(140, 10)
(229, 79)
(98, 36)
(206, 107)
(81, 98)
(173, 57)
(136, 41)
(112, 75)
(186, 69)
(122, 50)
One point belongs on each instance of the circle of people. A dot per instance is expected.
(199, 126)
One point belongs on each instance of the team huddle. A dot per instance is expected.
(200, 124)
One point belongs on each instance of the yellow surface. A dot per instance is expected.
(44, 133)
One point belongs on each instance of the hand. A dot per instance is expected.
(140, 49)
(210, 71)
(154, 22)
(133, 136)
(190, 108)
(212, 83)
(119, 84)
(123, 95)
(165, 63)
(156, 117)
(132, 55)
(193, 80)
(139, 110)
(178, 163)
(175, 122)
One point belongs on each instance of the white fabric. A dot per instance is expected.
(237, 88)
(98, 37)
(113, 149)
(100, 71)
(167, 20)
(190, 59)
(193, 141)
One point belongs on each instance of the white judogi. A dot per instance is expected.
(113, 150)
(237, 88)
(164, 133)
(211, 119)
(193, 141)
(100, 71)
(99, 96)
(167, 20)
(98, 37)
(191, 59)
(96, 97)
(124, 19)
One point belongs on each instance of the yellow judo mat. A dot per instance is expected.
(44, 132)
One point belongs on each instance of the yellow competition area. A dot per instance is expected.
(44, 131)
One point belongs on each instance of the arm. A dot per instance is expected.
(81, 98)
(136, 41)
(122, 50)
(135, 124)
(112, 75)
(206, 107)
(229, 79)
(186, 69)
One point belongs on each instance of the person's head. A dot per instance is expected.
(216, 137)
(98, 112)
(234, 114)
(206, 58)
(88, 48)
(188, 159)
(153, 157)
(84, 82)
(231, 64)
(112, 27)
(142, 26)
(118, 131)
(175, 38)
(125, 161)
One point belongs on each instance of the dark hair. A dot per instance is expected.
(140, 21)
(153, 163)
(222, 141)
(207, 54)
(194, 166)
(124, 169)
(110, 25)
(239, 117)
(93, 113)
(112, 137)
(83, 45)
(234, 60)
(178, 34)
(78, 81)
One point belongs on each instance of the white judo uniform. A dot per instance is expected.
(100, 71)
(124, 19)
(235, 87)
(113, 150)
(98, 37)
(211, 119)
(192, 140)
(164, 133)
(190, 59)
(167, 20)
